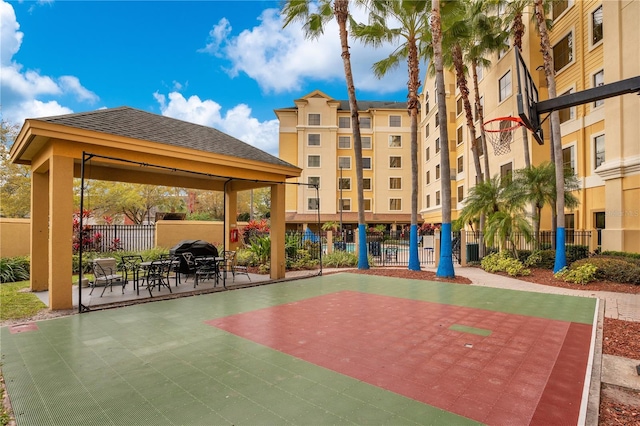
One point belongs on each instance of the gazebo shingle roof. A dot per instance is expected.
(136, 124)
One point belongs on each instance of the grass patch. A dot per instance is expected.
(16, 303)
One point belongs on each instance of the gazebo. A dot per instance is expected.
(129, 145)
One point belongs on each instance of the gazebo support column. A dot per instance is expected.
(39, 272)
(278, 258)
(60, 232)
(231, 217)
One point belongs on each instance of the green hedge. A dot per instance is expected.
(614, 268)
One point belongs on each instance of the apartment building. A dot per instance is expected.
(594, 43)
(316, 135)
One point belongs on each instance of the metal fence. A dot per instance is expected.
(125, 237)
(477, 247)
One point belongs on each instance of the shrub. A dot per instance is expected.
(523, 255)
(576, 252)
(503, 262)
(581, 274)
(13, 269)
(340, 259)
(533, 259)
(246, 257)
(621, 254)
(612, 268)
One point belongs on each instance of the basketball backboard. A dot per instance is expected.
(527, 98)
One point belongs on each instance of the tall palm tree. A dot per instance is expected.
(314, 22)
(411, 34)
(445, 265)
(556, 137)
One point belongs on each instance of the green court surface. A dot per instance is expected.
(337, 349)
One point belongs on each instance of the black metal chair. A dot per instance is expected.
(131, 269)
(233, 265)
(158, 275)
(206, 268)
(105, 273)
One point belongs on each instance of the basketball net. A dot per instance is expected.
(499, 132)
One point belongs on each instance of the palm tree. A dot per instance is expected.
(536, 184)
(413, 32)
(445, 265)
(556, 137)
(314, 26)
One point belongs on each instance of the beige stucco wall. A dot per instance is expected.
(14, 237)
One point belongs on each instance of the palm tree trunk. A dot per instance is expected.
(556, 136)
(341, 12)
(414, 84)
(445, 266)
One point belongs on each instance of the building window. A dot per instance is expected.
(314, 119)
(437, 145)
(505, 48)
(437, 171)
(461, 164)
(505, 86)
(345, 204)
(598, 80)
(459, 135)
(313, 140)
(479, 147)
(568, 159)
(459, 106)
(426, 130)
(563, 52)
(598, 154)
(344, 162)
(505, 137)
(344, 183)
(395, 121)
(365, 122)
(506, 170)
(366, 163)
(596, 25)
(558, 7)
(427, 154)
(395, 183)
(428, 200)
(313, 203)
(437, 198)
(366, 142)
(314, 180)
(344, 122)
(460, 193)
(344, 142)
(428, 177)
(367, 204)
(313, 161)
(395, 141)
(567, 114)
(437, 118)
(366, 184)
(395, 204)
(395, 162)
(480, 72)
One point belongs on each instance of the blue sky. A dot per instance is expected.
(224, 64)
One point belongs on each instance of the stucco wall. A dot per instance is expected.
(14, 237)
(171, 232)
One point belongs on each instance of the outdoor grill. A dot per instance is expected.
(196, 248)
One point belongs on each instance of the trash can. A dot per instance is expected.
(473, 252)
(374, 248)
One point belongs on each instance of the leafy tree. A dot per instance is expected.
(300, 10)
(15, 179)
(445, 265)
(411, 35)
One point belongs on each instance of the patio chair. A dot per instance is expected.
(235, 268)
(190, 265)
(158, 275)
(105, 273)
(206, 268)
(131, 269)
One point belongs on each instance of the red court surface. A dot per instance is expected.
(492, 367)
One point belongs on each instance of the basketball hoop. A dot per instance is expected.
(499, 132)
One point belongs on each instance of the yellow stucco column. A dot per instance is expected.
(230, 217)
(277, 231)
(613, 234)
(60, 232)
(39, 272)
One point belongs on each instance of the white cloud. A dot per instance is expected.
(23, 90)
(282, 59)
(236, 122)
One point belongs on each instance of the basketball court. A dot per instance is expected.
(336, 349)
